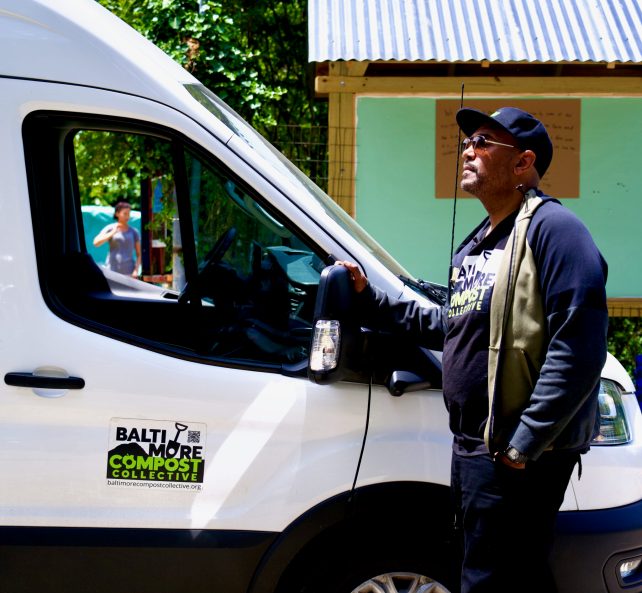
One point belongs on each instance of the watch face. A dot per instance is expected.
(514, 455)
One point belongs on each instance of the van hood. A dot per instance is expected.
(614, 371)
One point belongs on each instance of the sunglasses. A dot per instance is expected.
(481, 143)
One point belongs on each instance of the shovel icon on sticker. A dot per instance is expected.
(174, 445)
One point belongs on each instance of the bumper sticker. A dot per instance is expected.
(156, 454)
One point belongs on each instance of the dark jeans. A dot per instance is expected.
(507, 517)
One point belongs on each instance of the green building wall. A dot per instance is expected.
(395, 181)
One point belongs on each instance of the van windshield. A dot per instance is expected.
(276, 159)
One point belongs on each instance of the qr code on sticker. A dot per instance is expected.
(193, 436)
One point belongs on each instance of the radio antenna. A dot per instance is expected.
(452, 234)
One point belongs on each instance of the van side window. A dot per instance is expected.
(221, 277)
(119, 168)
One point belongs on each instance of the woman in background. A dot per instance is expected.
(124, 241)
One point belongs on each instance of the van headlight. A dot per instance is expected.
(614, 428)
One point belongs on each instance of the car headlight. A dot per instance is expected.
(614, 428)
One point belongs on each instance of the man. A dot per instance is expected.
(524, 343)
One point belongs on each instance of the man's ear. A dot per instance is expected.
(525, 162)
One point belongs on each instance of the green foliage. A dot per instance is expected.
(625, 340)
(275, 32)
(251, 54)
(111, 167)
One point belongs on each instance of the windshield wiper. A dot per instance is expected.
(435, 292)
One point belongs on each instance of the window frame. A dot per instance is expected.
(54, 199)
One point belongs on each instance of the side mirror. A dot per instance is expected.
(334, 348)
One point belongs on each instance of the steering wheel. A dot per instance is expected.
(213, 257)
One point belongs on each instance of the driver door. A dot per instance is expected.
(194, 411)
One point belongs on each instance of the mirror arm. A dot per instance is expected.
(406, 381)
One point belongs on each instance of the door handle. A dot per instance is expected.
(38, 381)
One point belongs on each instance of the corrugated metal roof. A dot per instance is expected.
(476, 30)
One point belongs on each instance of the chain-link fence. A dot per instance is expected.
(306, 147)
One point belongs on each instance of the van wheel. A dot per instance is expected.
(395, 566)
(356, 582)
(400, 582)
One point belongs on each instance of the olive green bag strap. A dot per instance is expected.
(502, 297)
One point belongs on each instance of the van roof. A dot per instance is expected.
(80, 42)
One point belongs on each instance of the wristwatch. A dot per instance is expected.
(514, 455)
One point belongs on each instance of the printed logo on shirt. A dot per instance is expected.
(472, 287)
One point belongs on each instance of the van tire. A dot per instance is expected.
(378, 556)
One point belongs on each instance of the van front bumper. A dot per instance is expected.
(599, 551)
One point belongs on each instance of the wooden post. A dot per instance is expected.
(341, 143)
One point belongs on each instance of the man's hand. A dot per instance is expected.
(502, 457)
(359, 281)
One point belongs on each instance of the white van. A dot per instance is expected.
(161, 434)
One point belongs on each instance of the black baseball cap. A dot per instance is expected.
(529, 132)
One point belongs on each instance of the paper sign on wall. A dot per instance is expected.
(561, 118)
